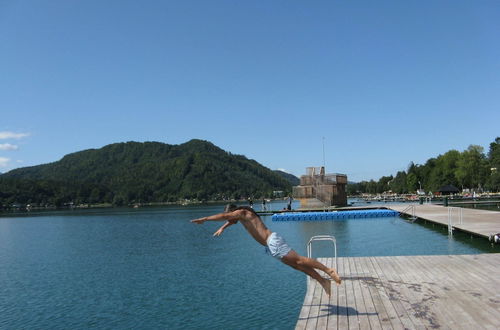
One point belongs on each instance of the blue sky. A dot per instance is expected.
(382, 83)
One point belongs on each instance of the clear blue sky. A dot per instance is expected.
(383, 82)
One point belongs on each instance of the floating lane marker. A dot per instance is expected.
(339, 215)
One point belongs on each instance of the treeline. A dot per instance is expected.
(133, 172)
(470, 169)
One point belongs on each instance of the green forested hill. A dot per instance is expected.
(294, 181)
(136, 172)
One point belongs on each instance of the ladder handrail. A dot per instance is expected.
(407, 208)
(450, 218)
(412, 208)
(450, 221)
(323, 238)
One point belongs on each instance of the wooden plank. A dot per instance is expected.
(481, 275)
(455, 275)
(315, 303)
(485, 269)
(306, 307)
(350, 298)
(334, 300)
(359, 303)
(343, 321)
(492, 261)
(332, 319)
(471, 286)
(324, 309)
(372, 282)
(436, 304)
(392, 297)
(371, 312)
(378, 286)
(478, 289)
(401, 292)
(446, 301)
(421, 298)
(445, 285)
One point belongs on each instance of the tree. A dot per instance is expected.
(425, 174)
(95, 196)
(383, 184)
(472, 168)
(398, 184)
(493, 182)
(411, 182)
(443, 172)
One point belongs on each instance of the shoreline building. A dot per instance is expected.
(318, 189)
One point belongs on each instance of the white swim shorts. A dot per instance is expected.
(277, 246)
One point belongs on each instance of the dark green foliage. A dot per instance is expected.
(470, 169)
(133, 172)
(294, 181)
(494, 162)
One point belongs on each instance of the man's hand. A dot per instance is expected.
(219, 231)
(199, 220)
(224, 226)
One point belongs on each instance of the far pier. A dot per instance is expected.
(476, 222)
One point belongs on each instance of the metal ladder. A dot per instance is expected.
(323, 238)
(450, 218)
(412, 209)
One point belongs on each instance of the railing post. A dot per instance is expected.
(450, 224)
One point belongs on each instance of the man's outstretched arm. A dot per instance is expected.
(224, 226)
(231, 216)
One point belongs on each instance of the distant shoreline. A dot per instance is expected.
(455, 200)
(28, 208)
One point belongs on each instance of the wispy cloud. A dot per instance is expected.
(8, 146)
(4, 162)
(283, 170)
(11, 135)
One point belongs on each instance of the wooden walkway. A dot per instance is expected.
(410, 292)
(479, 222)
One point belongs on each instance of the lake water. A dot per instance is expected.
(493, 206)
(150, 268)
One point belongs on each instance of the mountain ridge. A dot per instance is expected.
(143, 172)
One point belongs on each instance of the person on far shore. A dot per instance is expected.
(275, 244)
(289, 205)
(264, 206)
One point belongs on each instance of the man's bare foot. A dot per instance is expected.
(333, 274)
(326, 284)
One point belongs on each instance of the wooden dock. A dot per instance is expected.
(408, 292)
(479, 222)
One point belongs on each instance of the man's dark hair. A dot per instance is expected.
(233, 207)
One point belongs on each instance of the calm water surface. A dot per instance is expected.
(494, 206)
(151, 268)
